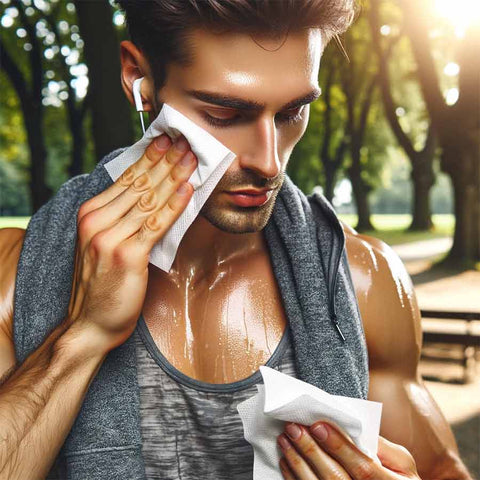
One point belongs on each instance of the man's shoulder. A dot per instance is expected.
(11, 242)
(387, 301)
(367, 252)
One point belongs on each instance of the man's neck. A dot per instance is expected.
(204, 247)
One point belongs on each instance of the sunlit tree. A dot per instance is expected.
(358, 78)
(455, 113)
(385, 37)
(42, 55)
(334, 141)
(111, 112)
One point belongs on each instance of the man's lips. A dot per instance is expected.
(250, 197)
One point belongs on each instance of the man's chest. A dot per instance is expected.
(217, 328)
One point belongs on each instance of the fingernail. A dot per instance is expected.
(319, 431)
(187, 159)
(162, 141)
(182, 189)
(181, 144)
(293, 431)
(284, 443)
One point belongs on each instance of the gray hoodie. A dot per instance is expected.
(307, 248)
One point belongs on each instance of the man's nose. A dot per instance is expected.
(261, 152)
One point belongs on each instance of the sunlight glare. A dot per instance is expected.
(461, 13)
(451, 96)
(451, 69)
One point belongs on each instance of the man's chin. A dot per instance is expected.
(238, 220)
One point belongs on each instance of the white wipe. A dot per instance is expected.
(213, 161)
(286, 399)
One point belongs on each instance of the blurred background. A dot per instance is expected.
(393, 143)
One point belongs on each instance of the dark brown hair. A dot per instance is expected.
(160, 28)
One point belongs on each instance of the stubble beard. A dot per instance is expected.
(232, 218)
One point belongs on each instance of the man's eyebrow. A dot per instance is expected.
(250, 105)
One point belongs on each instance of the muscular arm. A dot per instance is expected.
(40, 399)
(392, 324)
(11, 241)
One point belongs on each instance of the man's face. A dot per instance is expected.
(230, 72)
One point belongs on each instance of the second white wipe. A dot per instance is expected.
(282, 399)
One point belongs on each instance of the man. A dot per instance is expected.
(251, 90)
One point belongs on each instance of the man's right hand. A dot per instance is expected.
(116, 231)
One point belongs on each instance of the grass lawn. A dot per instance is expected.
(21, 222)
(391, 228)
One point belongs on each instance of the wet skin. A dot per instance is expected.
(217, 315)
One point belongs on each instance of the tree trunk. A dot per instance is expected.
(421, 213)
(39, 191)
(465, 176)
(360, 193)
(111, 114)
(423, 178)
(78, 141)
(361, 202)
(330, 179)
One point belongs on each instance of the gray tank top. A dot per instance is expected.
(191, 429)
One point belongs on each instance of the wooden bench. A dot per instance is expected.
(466, 337)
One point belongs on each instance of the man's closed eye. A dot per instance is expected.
(289, 117)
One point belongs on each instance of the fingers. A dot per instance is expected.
(163, 203)
(152, 155)
(133, 253)
(320, 462)
(149, 179)
(286, 472)
(325, 452)
(395, 457)
(358, 465)
(138, 246)
(295, 461)
(149, 191)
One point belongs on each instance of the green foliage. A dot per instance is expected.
(58, 142)
(377, 149)
(384, 166)
(304, 166)
(14, 194)
(13, 140)
(394, 195)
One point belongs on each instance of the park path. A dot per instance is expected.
(423, 249)
(451, 291)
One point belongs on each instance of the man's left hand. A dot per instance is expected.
(324, 452)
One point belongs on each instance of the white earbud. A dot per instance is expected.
(138, 99)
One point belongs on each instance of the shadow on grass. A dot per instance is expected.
(434, 273)
(442, 267)
(437, 271)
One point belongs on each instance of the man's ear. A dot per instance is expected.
(134, 65)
